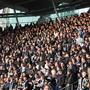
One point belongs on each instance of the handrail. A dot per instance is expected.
(60, 88)
(68, 85)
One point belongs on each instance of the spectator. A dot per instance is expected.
(83, 82)
(53, 53)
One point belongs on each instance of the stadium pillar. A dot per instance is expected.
(55, 9)
(16, 17)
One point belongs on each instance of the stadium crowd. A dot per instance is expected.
(47, 56)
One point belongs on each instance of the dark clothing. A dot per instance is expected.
(75, 73)
(61, 81)
(6, 86)
(27, 85)
(53, 83)
(69, 81)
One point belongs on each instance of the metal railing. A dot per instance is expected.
(72, 86)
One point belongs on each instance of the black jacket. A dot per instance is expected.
(60, 80)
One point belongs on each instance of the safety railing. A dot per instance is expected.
(72, 86)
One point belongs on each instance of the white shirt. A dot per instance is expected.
(79, 41)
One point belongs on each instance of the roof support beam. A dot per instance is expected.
(16, 17)
(7, 4)
(49, 10)
(55, 9)
(24, 2)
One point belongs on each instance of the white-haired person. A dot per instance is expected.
(83, 82)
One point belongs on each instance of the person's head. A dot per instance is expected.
(61, 64)
(77, 58)
(83, 59)
(56, 64)
(53, 72)
(60, 72)
(69, 72)
(84, 74)
(24, 78)
(73, 60)
(47, 87)
(70, 63)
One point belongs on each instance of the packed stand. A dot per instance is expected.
(50, 56)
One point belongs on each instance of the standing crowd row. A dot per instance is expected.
(50, 56)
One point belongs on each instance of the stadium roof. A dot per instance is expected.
(38, 7)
